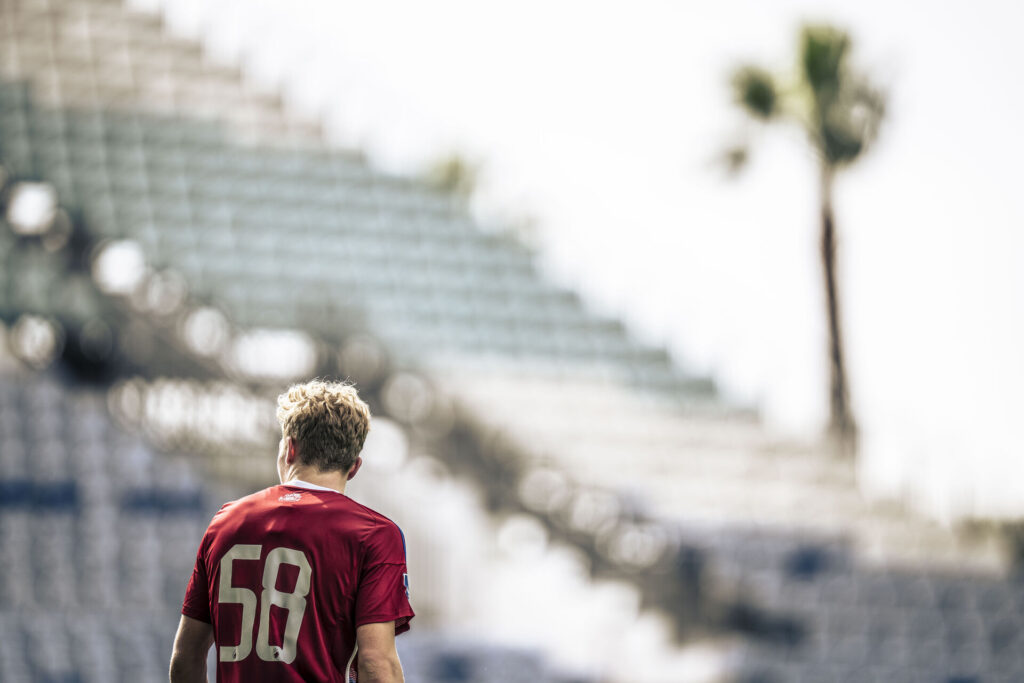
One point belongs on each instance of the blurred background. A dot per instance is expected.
(577, 258)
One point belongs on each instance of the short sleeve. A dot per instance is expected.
(383, 593)
(197, 595)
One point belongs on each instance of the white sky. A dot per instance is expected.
(601, 119)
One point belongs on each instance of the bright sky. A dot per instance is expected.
(602, 119)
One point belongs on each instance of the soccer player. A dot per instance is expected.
(298, 582)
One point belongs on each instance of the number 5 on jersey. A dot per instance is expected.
(294, 602)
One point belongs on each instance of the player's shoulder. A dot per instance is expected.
(254, 498)
(380, 530)
(373, 517)
(257, 499)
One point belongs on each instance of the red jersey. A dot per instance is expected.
(285, 576)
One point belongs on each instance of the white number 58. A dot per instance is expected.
(294, 602)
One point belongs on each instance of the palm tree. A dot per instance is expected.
(839, 112)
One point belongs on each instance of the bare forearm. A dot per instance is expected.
(380, 670)
(188, 669)
(188, 656)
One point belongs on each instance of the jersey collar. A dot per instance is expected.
(306, 485)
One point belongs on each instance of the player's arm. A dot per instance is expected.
(378, 658)
(188, 659)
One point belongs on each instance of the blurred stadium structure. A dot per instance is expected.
(175, 249)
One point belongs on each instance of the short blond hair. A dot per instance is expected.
(327, 420)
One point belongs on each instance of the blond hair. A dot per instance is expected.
(327, 420)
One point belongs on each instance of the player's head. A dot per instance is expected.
(327, 421)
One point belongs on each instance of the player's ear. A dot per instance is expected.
(291, 451)
(355, 467)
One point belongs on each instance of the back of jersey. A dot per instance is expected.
(286, 575)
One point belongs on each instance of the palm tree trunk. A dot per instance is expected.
(841, 426)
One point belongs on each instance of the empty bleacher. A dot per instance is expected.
(75, 543)
(622, 458)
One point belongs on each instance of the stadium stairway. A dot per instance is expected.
(554, 412)
(50, 287)
(228, 429)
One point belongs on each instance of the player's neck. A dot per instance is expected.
(333, 480)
